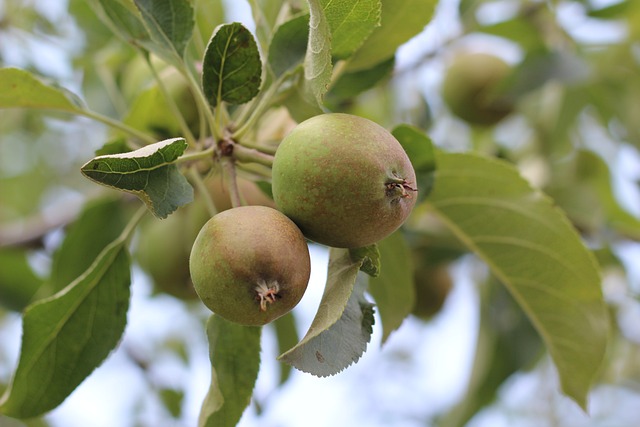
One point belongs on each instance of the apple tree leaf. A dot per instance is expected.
(124, 19)
(231, 71)
(350, 24)
(342, 327)
(401, 20)
(149, 172)
(65, 337)
(350, 84)
(21, 89)
(536, 253)
(234, 351)
(287, 335)
(289, 45)
(170, 24)
(419, 148)
(317, 61)
(100, 223)
(161, 27)
(393, 290)
(18, 282)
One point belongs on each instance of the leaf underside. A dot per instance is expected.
(339, 333)
(535, 252)
(148, 172)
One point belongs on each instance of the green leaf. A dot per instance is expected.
(234, 351)
(161, 27)
(21, 89)
(67, 336)
(342, 327)
(289, 45)
(317, 62)
(582, 187)
(369, 256)
(419, 148)
(287, 335)
(617, 10)
(150, 111)
(393, 290)
(350, 23)
(170, 23)
(266, 14)
(535, 252)
(506, 343)
(298, 103)
(99, 224)
(401, 20)
(232, 68)
(123, 18)
(18, 282)
(172, 400)
(351, 84)
(149, 173)
(115, 146)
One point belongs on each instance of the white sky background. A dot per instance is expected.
(419, 372)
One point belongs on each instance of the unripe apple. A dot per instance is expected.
(250, 265)
(432, 284)
(250, 193)
(164, 246)
(471, 88)
(344, 180)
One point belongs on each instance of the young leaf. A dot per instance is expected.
(148, 172)
(401, 20)
(289, 45)
(99, 224)
(393, 290)
(339, 333)
(170, 23)
(419, 148)
(535, 252)
(317, 62)
(350, 24)
(21, 89)
(232, 69)
(67, 336)
(234, 351)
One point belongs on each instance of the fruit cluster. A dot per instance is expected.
(338, 180)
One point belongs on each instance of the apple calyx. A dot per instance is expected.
(399, 188)
(266, 293)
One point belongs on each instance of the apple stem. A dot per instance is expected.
(266, 293)
(229, 174)
(251, 155)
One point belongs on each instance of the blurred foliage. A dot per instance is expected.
(575, 86)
